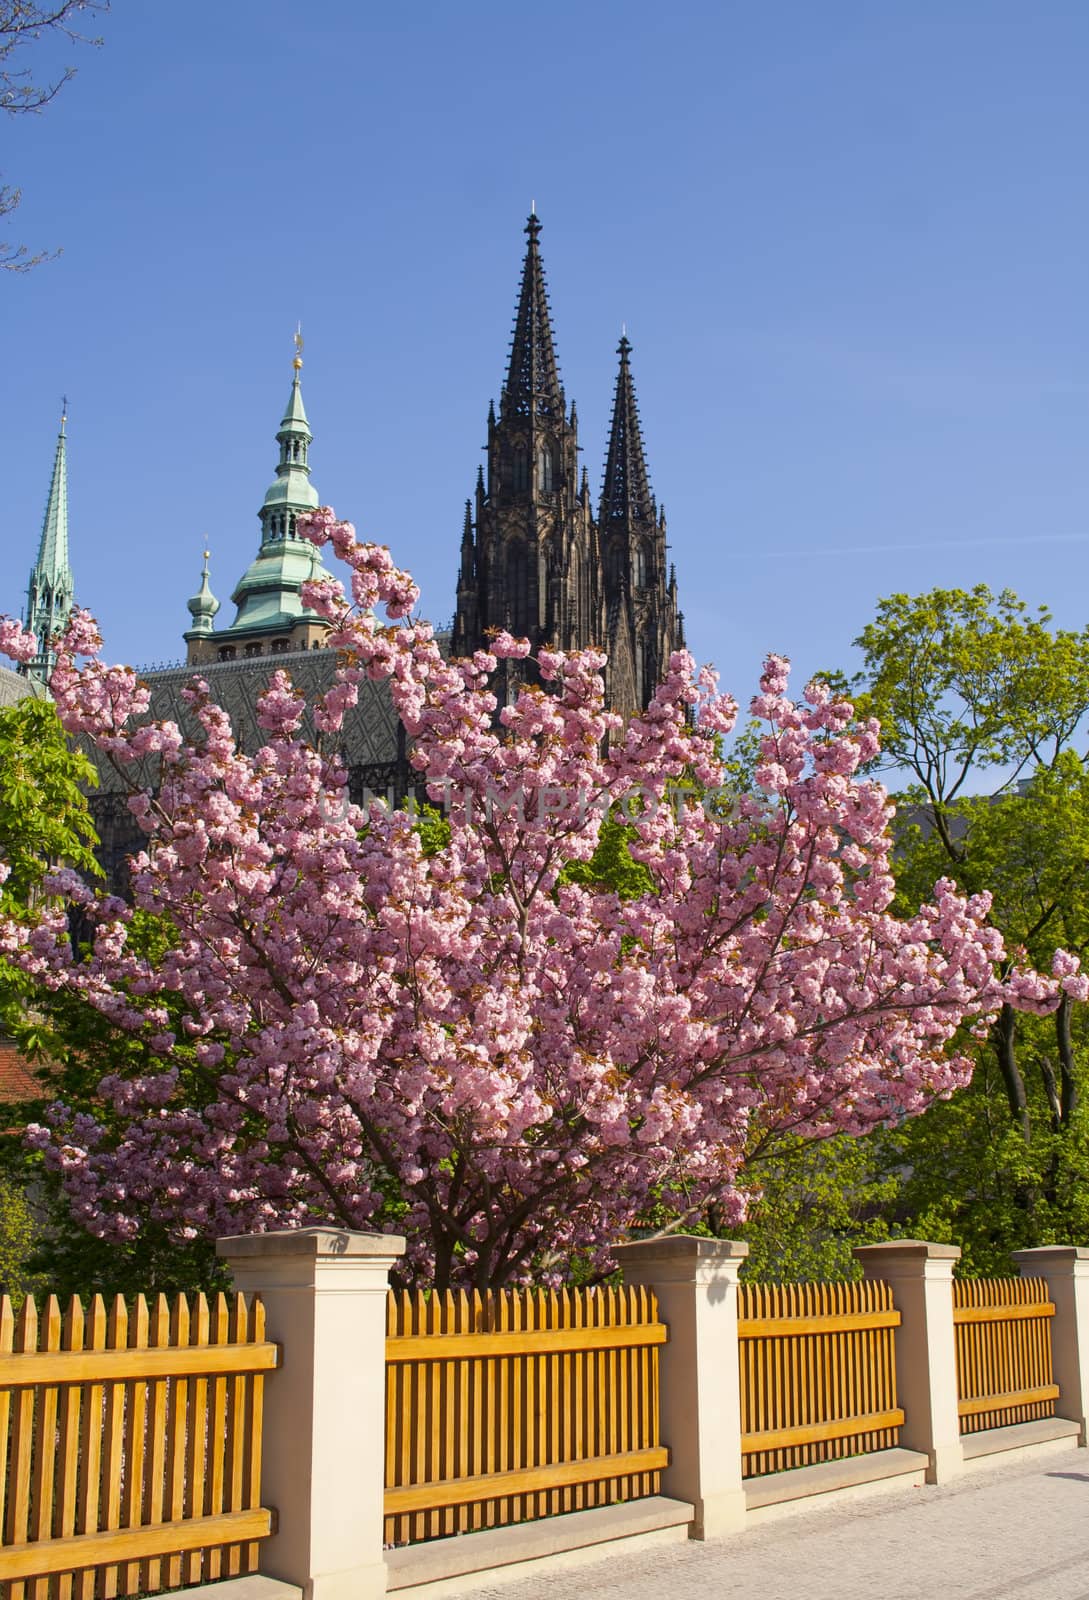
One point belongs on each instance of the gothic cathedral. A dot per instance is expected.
(533, 558)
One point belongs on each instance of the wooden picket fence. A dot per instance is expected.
(1003, 1336)
(517, 1404)
(818, 1373)
(130, 1445)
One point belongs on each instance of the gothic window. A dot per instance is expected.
(640, 568)
(253, 649)
(517, 586)
(520, 473)
(280, 646)
(544, 469)
(227, 653)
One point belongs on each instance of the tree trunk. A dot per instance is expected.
(1005, 1033)
(1067, 1069)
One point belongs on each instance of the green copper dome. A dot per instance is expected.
(269, 593)
(203, 605)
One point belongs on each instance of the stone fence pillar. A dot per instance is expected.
(324, 1291)
(1065, 1268)
(695, 1281)
(921, 1275)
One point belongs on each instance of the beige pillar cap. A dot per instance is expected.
(908, 1249)
(309, 1242)
(682, 1247)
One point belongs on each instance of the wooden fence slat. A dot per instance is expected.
(92, 1436)
(177, 1425)
(45, 1445)
(197, 1440)
(71, 1398)
(7, 1342)
(217, 1434)
(131, 1546)
(423, 1496)
(22, 1440)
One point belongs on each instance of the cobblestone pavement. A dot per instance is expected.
(1018, 1532)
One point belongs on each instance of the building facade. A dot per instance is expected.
(534, 559)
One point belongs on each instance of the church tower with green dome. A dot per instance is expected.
(50, 590)
(271, 618)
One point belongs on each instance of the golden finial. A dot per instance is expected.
(297, 363)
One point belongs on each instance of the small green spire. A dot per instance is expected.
(269, 593)
(50, 591)
(292, 491)
(203, 605)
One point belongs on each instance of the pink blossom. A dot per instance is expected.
(15, 642)
(458, 1041)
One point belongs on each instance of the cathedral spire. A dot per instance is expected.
(625, 495)
(49, 593)
(533, 387)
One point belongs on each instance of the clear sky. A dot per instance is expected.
(849, 241)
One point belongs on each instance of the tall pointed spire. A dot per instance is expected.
(272, 616)
(50, 590)
(625, 495)
(640, 606)
(533, 387)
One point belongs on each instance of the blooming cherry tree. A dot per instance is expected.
(347, 1024)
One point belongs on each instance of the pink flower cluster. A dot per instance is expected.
(462, 1044)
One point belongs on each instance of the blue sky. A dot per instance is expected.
(849, 242)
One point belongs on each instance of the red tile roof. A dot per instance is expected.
(17, 1080)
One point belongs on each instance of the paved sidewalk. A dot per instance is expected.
(1018, 1532)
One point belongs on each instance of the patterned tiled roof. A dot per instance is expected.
(370, 731)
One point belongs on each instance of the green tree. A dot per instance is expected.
(983, 709)
(44, 817)
(20, 1231)
(44, 822)
(814, 1202)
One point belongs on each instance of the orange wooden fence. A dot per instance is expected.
(818, 1374)
(1003, 1331)
(130, 1446)
(517, 1404)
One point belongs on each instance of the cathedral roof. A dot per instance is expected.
(15, 687)
(370, 730)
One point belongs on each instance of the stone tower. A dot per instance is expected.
(529, 559)
(533, 559)
(271, 617)
(642, 623)
(50, 590)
